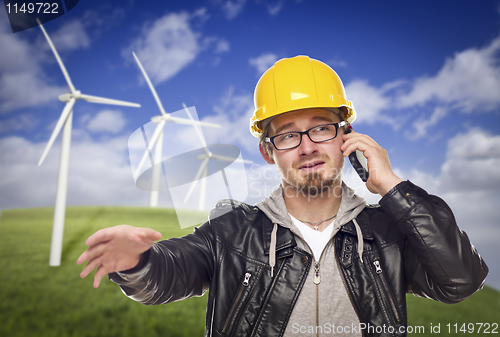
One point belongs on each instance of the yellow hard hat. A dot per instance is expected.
(298, 83)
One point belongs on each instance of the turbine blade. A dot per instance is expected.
(95, 99)
(197, 178)
(224, 158)
(193, 122)
(60, 123)
(154, 139)
(244, 161)
(65, 73)
(155, 95)
(197, 129)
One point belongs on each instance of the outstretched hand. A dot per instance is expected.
(381, 177)
(115, 249)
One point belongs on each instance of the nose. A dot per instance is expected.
(307, 146)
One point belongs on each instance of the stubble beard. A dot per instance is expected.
(323, 182)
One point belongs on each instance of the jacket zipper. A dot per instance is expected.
(243, 286)
(378, 270)
(317, 279)
(317, 275)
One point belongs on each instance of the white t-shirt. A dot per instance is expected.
(315, 239)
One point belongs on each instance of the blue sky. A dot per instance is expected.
(424, 78)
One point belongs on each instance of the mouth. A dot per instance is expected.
(311, 165)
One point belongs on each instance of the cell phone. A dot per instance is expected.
(358, 161)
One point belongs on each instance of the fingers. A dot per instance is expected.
(99, 274)
(115, 248)
(101, 235)
(357, 141)
(107, 234)
(95, 263)
(82, 258)
(150, 235)
(94, 256)
(382, 178)
(91, 253)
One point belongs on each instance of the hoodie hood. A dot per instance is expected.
(274, 208)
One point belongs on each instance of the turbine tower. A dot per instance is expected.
(157, 138)
(203, 170)
(66, 119)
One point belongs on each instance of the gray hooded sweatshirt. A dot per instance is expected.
(322, 309)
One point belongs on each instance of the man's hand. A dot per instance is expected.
(116, 249)
(381, 178)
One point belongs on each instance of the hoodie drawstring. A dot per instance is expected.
(272, 249)
(360, 239)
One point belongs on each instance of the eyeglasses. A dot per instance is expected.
(317, 134)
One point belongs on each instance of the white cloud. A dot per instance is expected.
(231, 8)
(471, 166)
(99, 173)
(274, 8)
(368, 101)
(169, 44)
(23, 78)
(422, 125)
(70, 36)
(263, 62)
(25, 89)
(17, 56)
(166, 46)
(25, 122)
(102, 17)
(472, 162)
(336, 63)
(218, 44)
(470, 81)
(222, 46)
(111, 121)
(233, 113)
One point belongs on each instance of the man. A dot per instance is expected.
(313, 258)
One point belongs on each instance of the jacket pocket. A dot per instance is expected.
(241, 295)
(387, 293)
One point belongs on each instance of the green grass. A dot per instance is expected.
(482, 307)
(38, 300)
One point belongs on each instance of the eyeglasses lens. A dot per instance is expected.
(320, 133)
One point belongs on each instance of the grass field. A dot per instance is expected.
(38, 300)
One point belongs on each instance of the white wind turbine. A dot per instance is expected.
(157, 138)
(66, 119)
(203, 170)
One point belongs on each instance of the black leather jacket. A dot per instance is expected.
(411, 244)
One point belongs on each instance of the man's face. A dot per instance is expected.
(311, 167)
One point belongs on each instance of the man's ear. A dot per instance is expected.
(265, 155)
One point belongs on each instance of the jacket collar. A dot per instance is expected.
(285, 240)
(363, 223)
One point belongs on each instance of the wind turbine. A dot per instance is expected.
(157, 138)
(203, 170)
(66, 119)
